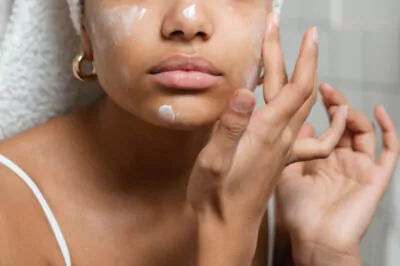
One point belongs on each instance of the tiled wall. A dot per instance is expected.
(360, 55)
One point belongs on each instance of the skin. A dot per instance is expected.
(158, 35)
(97, 166)
(110, 148)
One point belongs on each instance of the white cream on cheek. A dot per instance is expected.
(251, 77)
(257, 37)
(257, 33)
(115, 24)
(166, 113)
(190, 12)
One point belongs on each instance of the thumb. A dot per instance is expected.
(229, 130)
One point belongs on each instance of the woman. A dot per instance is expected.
(172, 166)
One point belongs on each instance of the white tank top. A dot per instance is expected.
(57, 230)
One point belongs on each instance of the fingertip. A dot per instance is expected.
(384, 120)
(379, 111)
(332, 110)
(273, 20)
(243, 101)
(314, 34)
(326, 88)
(307, 131)
(310, 42)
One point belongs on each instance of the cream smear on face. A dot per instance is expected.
(257, 38)
(251, 77)
(166, 113)
(190, 12)
(116, 22)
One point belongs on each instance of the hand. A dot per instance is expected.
(237, 171)
(328, 204)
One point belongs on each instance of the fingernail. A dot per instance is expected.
(273, 21)
(345, 111)
(243, 101)
(315, 34)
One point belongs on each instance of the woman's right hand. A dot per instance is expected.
(236, 173)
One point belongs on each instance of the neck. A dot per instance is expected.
(140, 157)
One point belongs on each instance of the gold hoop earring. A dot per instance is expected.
(77, 69)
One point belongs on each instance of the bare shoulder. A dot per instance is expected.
(26, 238)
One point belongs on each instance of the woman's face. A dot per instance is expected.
(175, 63)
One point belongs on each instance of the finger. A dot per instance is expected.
(332, 97)
(304, 112)
(275, 76)
(362, 131)
(218, 154)
(390, 149)
(306, 65)
(292, 97)
(307, 131)
(310, 148)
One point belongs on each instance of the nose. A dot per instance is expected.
(186, 21)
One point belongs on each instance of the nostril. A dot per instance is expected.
(202, 35)
(180, 34)
(177, 33)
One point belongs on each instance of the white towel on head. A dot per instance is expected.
(36, 51)
(277, 6)
(75, 13)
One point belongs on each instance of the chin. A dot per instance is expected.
(182, 112)
(187, 121)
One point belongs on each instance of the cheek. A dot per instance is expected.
(114, 30)
(114, 25)
(248, 38)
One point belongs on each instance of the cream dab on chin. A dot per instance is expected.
(190, 12)
(166, 113)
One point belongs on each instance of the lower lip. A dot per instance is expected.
(186, 80)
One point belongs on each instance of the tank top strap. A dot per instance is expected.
(43, 203)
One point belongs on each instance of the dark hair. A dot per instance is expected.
(82, 4)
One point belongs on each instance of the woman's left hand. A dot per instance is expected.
(327, 205)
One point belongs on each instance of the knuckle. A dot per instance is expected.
(270, 118)
(234, 130)
(286, 141)
(211, 164)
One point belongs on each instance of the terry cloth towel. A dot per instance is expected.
(37, 46)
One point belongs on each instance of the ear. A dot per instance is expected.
(86, 44)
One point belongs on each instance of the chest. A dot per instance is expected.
(172, 242)
(167, 241)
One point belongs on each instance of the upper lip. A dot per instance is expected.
(185, 63)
